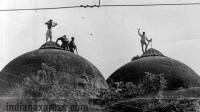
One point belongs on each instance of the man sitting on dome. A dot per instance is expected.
(65, 42)
(143, 41)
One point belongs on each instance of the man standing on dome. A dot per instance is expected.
(143, 41)
(65, 42)
(72, 45)
(49, 24)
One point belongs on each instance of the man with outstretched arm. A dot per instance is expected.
(143, 41)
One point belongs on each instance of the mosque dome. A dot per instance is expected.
(79, 72)
(177, 74)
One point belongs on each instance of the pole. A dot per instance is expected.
(99, 2)
(76, 51)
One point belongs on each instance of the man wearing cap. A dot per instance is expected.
(65, 42)
(49, 24)
(72, 45)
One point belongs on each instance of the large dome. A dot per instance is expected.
(83, 73)
(177, 74)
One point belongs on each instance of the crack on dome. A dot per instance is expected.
(50, 45)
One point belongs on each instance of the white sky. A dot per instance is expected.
(175, 30)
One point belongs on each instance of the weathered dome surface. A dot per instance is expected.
(176, 73)
(151, 52)
(50, 44)
(72, 65)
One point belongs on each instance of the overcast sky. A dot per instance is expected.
(106, 36)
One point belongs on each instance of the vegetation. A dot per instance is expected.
(148, 96)
(54, 87)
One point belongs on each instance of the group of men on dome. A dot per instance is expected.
(66, 45)
(71, 45)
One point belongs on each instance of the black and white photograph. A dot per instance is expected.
(99, 56)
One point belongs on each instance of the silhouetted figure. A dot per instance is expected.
(65, 42)
(143, 41)
(49, 24)
(72, 45)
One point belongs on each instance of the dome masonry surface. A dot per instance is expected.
(84, 73)
(177, 74)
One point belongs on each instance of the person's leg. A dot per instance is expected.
(50, 35)
(47, 35)
(67, 45)
(142, 45)
(71, 50)
(64, 46)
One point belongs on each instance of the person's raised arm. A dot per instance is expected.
(47, 22)
(54, 24)
(139, 32)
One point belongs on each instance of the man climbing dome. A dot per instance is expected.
(49, 24)
(72, 45)
(65, 42)
(143, 41)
